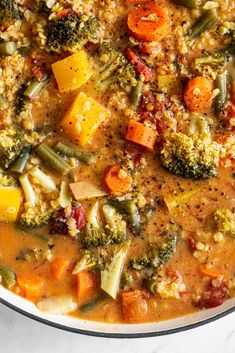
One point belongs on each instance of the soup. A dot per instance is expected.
(117, 158)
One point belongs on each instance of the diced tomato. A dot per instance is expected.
(192, 243)
(140, 67)
(214, 296)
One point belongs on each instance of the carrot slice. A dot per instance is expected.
(198, 94)
(58, 267)
(134, 305)
(31, 286)
(86, 286)
(118, 180)
(210, 272)
(141, 134)
(149, 22)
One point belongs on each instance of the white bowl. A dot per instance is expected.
(115, 330)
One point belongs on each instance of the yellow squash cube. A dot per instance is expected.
(83, 118)
(72, 72)
(10, 199)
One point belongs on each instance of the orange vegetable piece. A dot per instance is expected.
(210, 272)
(58, 267)
(31, 286)
(233, 92)
(134, 305)
(118, 180)
(86, 286)
(198, 94)
(141, 134)
(148, 22)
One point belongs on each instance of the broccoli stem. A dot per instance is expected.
(28, 190)
(21, 162)
(35, 88)
(7, 48)
(53, 159)
(44, 180)
(192, 4)
(84, 157)
(212, 60)
(136, 93)
(204, 23)
(220, 99)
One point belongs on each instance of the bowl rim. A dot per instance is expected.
(117, 335)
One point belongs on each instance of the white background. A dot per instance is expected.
(19, 334)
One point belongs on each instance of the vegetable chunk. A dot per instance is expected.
(141, 134)
(72, 72)
(10, 199)
(83, 118)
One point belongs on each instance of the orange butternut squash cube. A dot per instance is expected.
(83, 118)
(10, 199)
(72, 72)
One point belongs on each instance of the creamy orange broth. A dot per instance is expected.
(150, 179)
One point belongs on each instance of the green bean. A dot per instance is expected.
(85, 157)
(192, 4)
(35, 88)
(7, 48)
(21, 162)
(54, 160)
(3, 103)
(136, 93)
(8, 277)
(227, 50)
(220, 99)
(92, 304)
(204, 23)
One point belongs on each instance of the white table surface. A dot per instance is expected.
(19, 334)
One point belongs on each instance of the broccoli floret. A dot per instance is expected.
(72, 32)
(7, 180)
(9, 11)
(130, 212)
(158, 254)
(115, 225)
(114, 68)
(111, 275)
(225, 221)
(37, 212)
(194, 156)
(88, 261)
(11, 144)
(96, 234)
(140, 263)
(34, 217)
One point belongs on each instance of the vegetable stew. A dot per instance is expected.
(117, 156)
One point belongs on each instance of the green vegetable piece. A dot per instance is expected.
(205, 22)
(84, 157)
(19, 165)
(92, 304)
(3, 103)
(221, 98)
(136, 93)
(24, 51)
(35, 88)
(53, 159)
(111, 275)
(7, 48)
(8, 277)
